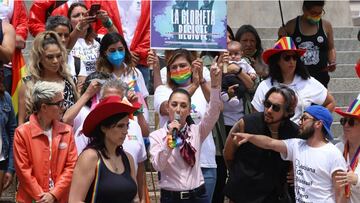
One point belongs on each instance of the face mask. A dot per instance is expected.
(313, 20)
(116, 58)
(181, 77)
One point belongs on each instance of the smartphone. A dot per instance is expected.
(94, 9)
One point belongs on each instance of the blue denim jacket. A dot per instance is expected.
(8, 124)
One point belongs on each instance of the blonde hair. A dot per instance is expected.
(35, 69)
(43, 92)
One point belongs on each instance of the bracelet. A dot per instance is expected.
(77, 27)
(108, 23)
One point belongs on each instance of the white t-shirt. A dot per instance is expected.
(355, 189)
(308, 92)
(136, 82)
(246, 67)
(71, 64)
(87, 53)
(313, 170)
(6, 10)
(129, 12)
(198, 109)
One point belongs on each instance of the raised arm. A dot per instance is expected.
(261, 141)
(230, 146)
(215, 105)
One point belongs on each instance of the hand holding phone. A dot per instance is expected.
(94, 9)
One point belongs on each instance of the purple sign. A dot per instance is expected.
(193, 25)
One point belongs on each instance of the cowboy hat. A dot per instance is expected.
(283, 44)
(108, 107)
(352, 111)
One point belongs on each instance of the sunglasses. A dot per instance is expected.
(288, 57)
(350, 121)
(59, 103)
(275, 107)
(304, 118)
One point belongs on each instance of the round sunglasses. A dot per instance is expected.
(350, 121)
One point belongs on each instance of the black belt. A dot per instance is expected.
(188, 194)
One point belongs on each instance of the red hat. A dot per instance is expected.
(109, 106)
(352, 111)
(357, 69)
(283, 44)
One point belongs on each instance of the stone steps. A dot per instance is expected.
(341, 44)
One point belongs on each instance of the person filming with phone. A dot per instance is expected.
(175, 148)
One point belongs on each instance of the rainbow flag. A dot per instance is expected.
(18, 72)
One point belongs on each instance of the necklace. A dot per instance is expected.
(113, 165)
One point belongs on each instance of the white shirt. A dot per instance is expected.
(307, 91)
(198, 109)
(129, 12)
(355, 189)
(88, 54)
(313, 170)
(136, 83)
(6, 10)
(71, 64)
(246, 67)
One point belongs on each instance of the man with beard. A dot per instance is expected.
(316, 160)
(256, 174)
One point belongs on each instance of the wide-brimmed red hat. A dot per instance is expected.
(283, 44)
(352, 111)
(109, 106)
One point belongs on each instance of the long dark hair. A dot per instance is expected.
(249, 28)
(72, 7)
(275, 71)
(111, 38)
(289, 97)
(97, 138)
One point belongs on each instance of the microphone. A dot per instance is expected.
(175, 130)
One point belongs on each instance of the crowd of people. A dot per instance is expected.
(246, 124)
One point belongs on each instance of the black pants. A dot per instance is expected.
(221, 172)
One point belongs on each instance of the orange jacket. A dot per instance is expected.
(32, 164)
(140, 43)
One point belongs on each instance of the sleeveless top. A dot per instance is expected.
(69, 92)
(256, 173)
(113, 187)
(316, 56)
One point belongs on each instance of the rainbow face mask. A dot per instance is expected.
(313, 20)
(182, 76)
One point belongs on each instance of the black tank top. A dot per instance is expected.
(316, 56)
(1, 32)
(113, 187)
(256, 174)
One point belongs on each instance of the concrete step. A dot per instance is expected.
(343, 99)
(339, 32)
(344, 71)
(344, 44)
(344, 84)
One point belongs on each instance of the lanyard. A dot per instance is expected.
(353, 164)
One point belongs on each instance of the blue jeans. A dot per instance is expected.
(210, 180)
(145, 71)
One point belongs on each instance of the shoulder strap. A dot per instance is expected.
(77, 65)
(1, 32)
(96, 180)
(125, 161)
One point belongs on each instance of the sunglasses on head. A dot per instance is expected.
(288, 57)
(350, 121)
(275, 107)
